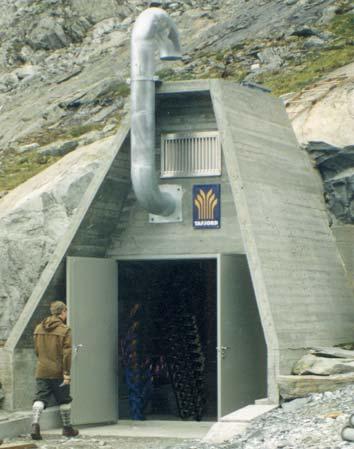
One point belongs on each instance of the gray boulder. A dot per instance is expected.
(48, 35)
(322, 366)
(324, 111)
(26, 148)
(314, 42)
(96, 11)
(60, 148)
(336, 166)
(8, 82)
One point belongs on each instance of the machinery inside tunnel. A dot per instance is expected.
(167, 339)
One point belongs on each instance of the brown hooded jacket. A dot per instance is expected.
(52, 339)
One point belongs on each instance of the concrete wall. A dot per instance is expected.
(301, 287)
(24, 364)
(134, 236)
(6, 378)
(17, 378)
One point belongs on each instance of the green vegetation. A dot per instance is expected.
(207, 66)
(17, 168)
(312, 69)
(167, 74)
(316, 64)
(48, 136)
(122, 90)
(295, 75)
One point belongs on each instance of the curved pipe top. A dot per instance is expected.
(153, 29)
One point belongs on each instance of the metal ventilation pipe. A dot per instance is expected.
(153, 29)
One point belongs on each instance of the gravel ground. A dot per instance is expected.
(94, 443)
(314, 422)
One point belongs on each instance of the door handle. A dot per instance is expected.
(222, 350)
(77, 348)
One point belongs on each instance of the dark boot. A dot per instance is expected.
(36, 432)
(69, 431)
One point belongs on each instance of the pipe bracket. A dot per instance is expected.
(176, 217)
(155, 79)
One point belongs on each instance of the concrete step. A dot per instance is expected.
(19, 423)
(246, 414)
(145, 429)
(236, 422)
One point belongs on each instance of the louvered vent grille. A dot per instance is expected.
(192, 154)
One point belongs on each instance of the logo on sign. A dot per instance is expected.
(206, 206)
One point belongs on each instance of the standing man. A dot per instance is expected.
(52, 339)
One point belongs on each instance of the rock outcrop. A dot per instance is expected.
(325, 111)
(336, 166)
(323, 366)
(33, 218)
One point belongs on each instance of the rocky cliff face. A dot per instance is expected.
(63, 63)
(323, 120)
(63, 71)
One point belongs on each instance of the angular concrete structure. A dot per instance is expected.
(273, 218)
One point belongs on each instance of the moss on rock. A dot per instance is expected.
(17, 168)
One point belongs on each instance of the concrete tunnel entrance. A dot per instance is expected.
(174, 338)
(167, 339)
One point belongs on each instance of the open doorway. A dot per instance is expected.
(191, 341)
(167, 339)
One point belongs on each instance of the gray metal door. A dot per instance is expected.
(241, 346)
(92, 297)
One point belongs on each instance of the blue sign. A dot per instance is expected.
(206, 206)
